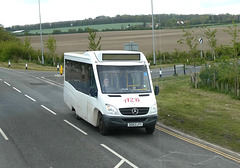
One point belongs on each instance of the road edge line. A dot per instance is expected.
(203, 144)
(3, 134)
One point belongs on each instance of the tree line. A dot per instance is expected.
(14, 50)
(223, 75)
(162, 21)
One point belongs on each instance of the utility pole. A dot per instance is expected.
(154, 59)
(41, 31)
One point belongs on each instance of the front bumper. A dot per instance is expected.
(112, 122)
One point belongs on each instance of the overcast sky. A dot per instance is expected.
(21, 12)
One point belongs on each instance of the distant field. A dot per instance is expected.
(98, 27)
(165, 40)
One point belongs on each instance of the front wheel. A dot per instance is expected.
(102, 127)
(77, 116)
(150, 130)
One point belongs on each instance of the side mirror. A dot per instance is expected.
(156, 90)
(93, 92)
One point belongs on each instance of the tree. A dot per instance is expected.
(233, 32)
(212, 41)
(57, 31)
(93, 45)
(51, 45)
(28, 47)
(5, 36)
(191, 41)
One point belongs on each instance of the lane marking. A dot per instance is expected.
(118, 155)
(16, 89)
(0, 79)
(200, 145)
(49, 110)
(3, 134)
(47, 81)
(119, 164)
(7, 83)
(75, 127)
(30, 98)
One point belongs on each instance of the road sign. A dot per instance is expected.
(201, 41)
(131, 46)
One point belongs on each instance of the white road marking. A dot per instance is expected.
(16, 89)
(30, 98)
(7, 83)
(49, 110)
(119, 164)
(3, 134)
(118, 155)
(75, 127)
(45, 80)
(0, 79)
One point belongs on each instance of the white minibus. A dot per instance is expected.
(110, 89)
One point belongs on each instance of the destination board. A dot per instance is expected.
(120, 57)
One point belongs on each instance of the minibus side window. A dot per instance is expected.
(80, 76)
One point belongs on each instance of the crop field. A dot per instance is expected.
(97, 27)
(165, 40)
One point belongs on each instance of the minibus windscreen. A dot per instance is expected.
(124, 79)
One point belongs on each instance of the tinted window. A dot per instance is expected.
(79, 75)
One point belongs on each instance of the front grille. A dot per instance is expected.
(129, 111)
(128, 120)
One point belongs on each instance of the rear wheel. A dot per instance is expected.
(150, 130)
(102, 127)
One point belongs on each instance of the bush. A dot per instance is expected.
(12, 50)
(223, 76)
(57, 31)
(169, 58)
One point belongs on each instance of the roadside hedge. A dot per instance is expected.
(223, 76)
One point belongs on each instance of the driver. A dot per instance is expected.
(106, 87)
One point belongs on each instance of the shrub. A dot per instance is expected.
(12, 49)
(222, 76)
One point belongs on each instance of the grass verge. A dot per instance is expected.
(30, 66)
(208, 115)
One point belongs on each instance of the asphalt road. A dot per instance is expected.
(37, 130)
(170, 71)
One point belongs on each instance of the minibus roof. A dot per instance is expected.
(109, 55)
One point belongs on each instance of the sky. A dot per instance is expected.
(22, 12)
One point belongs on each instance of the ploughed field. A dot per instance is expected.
(165, 40)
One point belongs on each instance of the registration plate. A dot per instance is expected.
(135, 124)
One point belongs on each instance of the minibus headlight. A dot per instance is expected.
(153, 109)
(111, 109)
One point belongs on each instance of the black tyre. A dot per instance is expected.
(150, 130)
(77, 116)
(102, 127)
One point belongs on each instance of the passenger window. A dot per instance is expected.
(80, 76)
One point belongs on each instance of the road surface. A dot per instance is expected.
(170, 71)
(37, 130)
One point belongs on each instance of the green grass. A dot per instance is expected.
(211, 116)
(98, 27)
(163, 66)
(31, 66)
